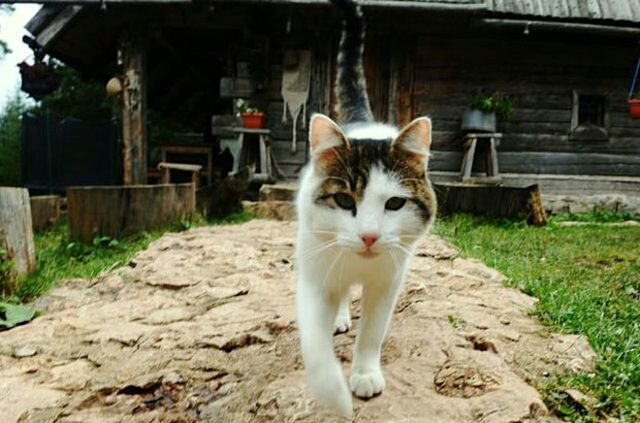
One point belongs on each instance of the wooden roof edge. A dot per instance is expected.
(594, 27)
(398, 4)
(424, 4)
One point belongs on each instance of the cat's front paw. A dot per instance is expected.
(367, 384)
(342, 324)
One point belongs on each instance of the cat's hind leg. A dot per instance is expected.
(317, 311)
(343, 319)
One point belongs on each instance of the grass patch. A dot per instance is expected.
(58, 258)
(588, 281)
(597, 216)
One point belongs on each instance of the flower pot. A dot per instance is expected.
(634, 108)
(253, 120)
(478, 121)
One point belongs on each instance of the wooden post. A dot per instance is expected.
(16, 232)
(134, 99)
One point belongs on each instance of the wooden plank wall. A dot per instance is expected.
(540, 76)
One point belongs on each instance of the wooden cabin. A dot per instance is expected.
(564, 63)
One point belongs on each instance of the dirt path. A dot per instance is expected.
(200, 327)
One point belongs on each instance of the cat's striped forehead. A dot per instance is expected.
(350, 172)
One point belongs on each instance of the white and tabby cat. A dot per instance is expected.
(363, 203)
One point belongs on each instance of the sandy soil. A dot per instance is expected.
(200, 327)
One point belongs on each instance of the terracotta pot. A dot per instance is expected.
(253, 121)
(634, 108)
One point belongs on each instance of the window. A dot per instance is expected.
(589, 117)
(591, 110)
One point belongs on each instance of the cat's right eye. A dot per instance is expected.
(344, 201)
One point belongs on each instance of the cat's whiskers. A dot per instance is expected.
(333, 263)
(324, 232)
(403, 248)
(396, 264)
(317, 249)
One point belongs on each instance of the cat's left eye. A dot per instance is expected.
(344, 201)
(395, 203)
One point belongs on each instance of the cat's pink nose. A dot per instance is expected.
(369, 239)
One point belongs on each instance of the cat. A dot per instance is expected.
(364, 201)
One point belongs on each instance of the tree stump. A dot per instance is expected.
(16, 232)
(492, 201)
(45, 211)
(117, 211)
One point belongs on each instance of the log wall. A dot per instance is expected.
(540, 76)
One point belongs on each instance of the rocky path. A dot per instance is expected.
(200, 327)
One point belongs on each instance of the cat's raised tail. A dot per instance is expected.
(351, 87)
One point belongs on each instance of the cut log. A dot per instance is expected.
(16, 232)
(118, 211)
(492, 201)
(45, 211)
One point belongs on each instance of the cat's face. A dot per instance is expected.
(372, 195)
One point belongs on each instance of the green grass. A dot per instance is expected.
(588, 281)
(58, 258)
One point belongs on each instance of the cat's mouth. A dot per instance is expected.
(367, 254)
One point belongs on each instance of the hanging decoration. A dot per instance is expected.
(40, 78)
(296, 82)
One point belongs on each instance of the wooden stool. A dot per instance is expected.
(244, 155)
(491, 155)
(166, 168)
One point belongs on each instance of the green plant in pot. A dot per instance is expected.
(252, 117)
(483, 111)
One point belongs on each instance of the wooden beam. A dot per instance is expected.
(93, 2)
(134, 101)
(55, 27)
(42, 18)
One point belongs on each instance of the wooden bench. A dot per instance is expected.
(166, 169)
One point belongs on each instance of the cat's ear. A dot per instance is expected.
(326, 139)
(414, 140)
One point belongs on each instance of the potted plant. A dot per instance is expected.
(483, 109)
(252, 117)
(634, 98)
(634, 108)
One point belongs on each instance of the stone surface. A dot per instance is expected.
(278, 192)
(216, 341)
(618, 203)
(276, 210)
